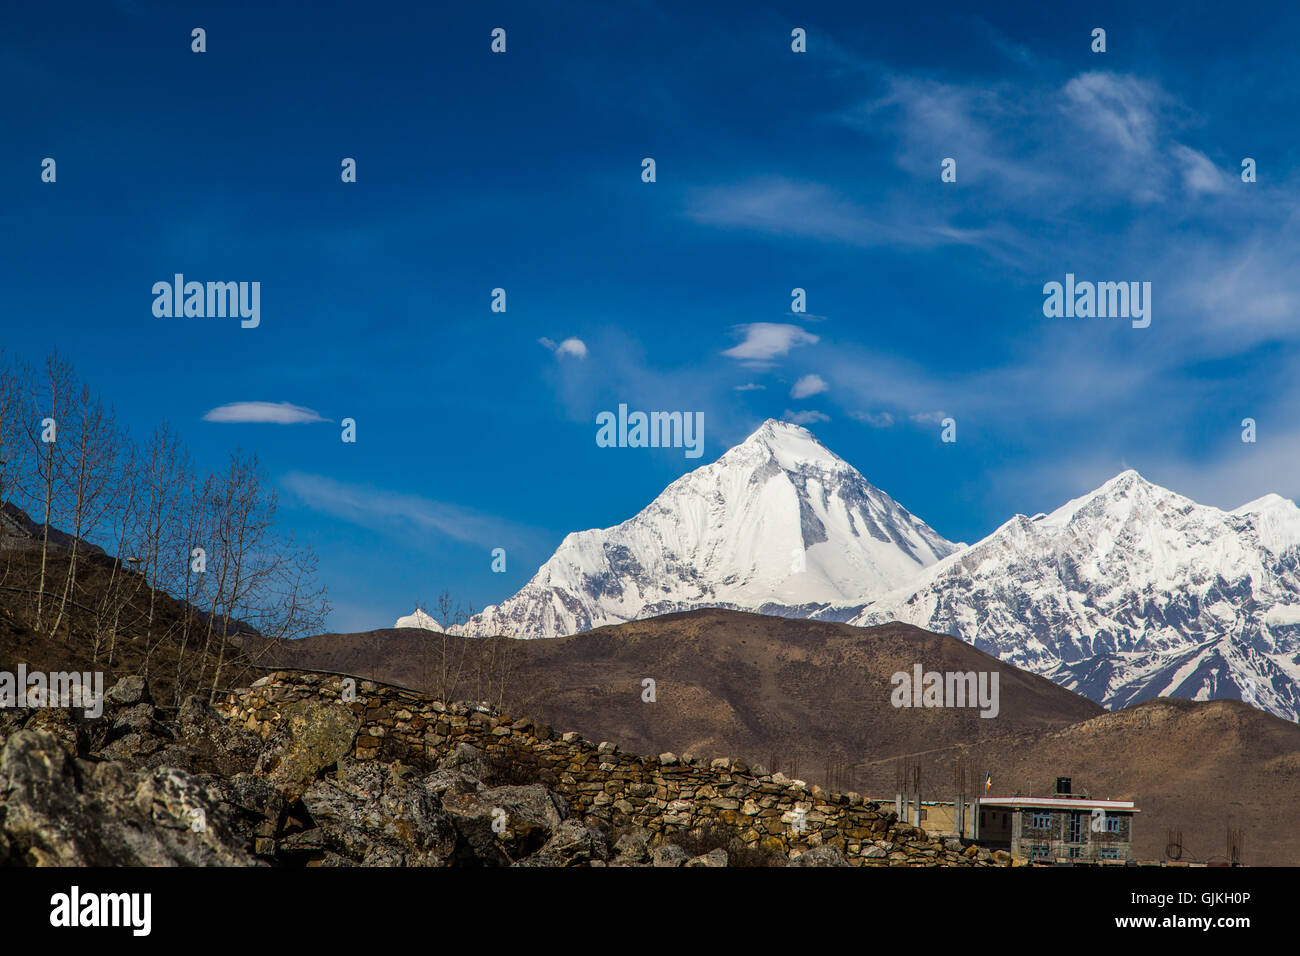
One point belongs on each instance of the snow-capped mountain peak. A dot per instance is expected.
(1129, 592)
(1126, 492)
(778, 523)
(1267, 503)
(790, 446)
(419, 618)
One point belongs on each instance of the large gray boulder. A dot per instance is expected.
(670, 855)
(468, 760)
(55, 811)
(128, 692)
(309, 737)
(633, 847)
(377, 815)
(820, 856)
(572, 844)
(498, 825)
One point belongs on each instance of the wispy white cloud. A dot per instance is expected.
(1200, 174)
(266, 413)
(1236, 295)
(1039, 150)
(928, 418)
(765, 341)
(808, 385)
(570, 346)
(1057, 152)
(808, 417)
(805, 210)
(398, 513)
(874, 419)
(1120, 109)
(781, 206)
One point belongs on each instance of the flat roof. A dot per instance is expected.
(1059, 803)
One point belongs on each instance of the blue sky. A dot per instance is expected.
(775, 170)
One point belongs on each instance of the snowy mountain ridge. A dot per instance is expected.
(1126, 593)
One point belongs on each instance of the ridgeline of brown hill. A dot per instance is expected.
(813, 700)
(809, 698)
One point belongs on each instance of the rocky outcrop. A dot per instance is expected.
(319, 770)
(638, 803)
(59, 811)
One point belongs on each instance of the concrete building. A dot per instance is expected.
(1063, 827)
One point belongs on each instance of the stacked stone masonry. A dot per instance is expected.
(605, 786)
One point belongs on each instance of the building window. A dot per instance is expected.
(1039, 851)
(1113, 823)
(1074, 852)
(1041, 821)
(1110, 853)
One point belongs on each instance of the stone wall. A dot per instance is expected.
(604, 786)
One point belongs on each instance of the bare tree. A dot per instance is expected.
(121, 587)
(451, 662)
(15, 413)
(95, 444)
(163, 479)
(196, 523)
(263, 581)
(54, 387)
(67, 464)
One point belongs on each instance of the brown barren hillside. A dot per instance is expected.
(805, 697)
(107, 627)
(813, 700)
